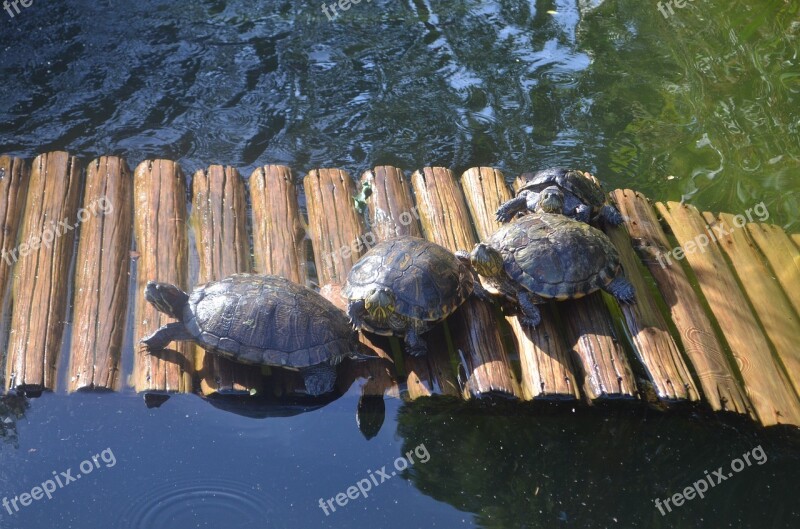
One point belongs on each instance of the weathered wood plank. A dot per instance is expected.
(392, 214)
(219, 219)
(160, 231)
(14, 178)
(783, 257)
(771, 306)
(278, 241)
(545, 364)
(445, 221)
(337, 231)
(769, 389)
(41, 275)
(652, 341)
(717, 376)
(101, 276)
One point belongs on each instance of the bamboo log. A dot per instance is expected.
(783, 257)
(796, 239)
(41, 275)
(716, 374)
(219, 218)
(545, 363)
(161, 241)
(337, 233)
(769, 389)
(770, 303)
(445, 221)
(14, 178)
(101, 277)
(278, 241)
(392, 214)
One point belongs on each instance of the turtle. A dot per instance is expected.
(583, 198)
(259, 319)
(404, 285)
(547, 255)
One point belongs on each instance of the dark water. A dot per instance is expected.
(701, 105)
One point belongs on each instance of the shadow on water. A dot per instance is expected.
(550, 466)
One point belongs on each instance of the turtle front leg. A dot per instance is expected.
(509, 208)
(531, 315)
(611, 215)
(480, 292)
(319, 379)
(415, 346)
(622, 289)
(171, 332)
(355, 309)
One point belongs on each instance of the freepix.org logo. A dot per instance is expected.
(59, 481)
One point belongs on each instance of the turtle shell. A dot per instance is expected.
(428, 281)
(554, 256)
(567, 179)
(268, 320)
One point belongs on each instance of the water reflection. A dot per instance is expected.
(525, 466)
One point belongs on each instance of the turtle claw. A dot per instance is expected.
(530, 322)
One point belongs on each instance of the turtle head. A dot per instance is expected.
(166, 298)
(380, 304)
(486, 260)
(551, 200)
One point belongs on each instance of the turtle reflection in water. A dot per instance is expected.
(263, 320)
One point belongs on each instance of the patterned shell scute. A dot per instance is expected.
(268, 320)
(569, 179)
(428, 281)
(554, 256)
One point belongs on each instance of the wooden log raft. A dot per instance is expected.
(337, 232)
(546, 367)
(161, 241)
(392, 214)
(774, 310)
(101, 276)
(716, 374)
(40, 298)
(279, 243)
(768, 387)
(445, 221)
(219, 219)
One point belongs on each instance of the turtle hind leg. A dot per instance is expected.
(415, 346)
(530, 312)
(171, 332)
(622, 289)
(319, 379)
(611, 215)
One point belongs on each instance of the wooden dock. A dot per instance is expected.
(717, 327)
